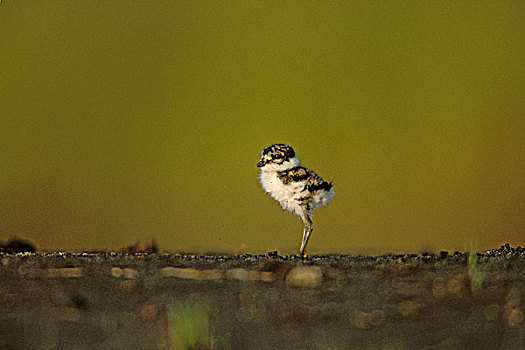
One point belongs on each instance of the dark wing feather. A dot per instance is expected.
(299, 174)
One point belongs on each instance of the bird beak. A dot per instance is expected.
(260, 164)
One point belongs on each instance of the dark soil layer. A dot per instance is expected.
(152, 301)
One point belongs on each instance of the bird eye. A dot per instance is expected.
(278, 158)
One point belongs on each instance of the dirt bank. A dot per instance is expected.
(152, 301)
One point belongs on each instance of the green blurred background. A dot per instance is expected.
(126, 120)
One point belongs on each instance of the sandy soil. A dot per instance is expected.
(157, 301)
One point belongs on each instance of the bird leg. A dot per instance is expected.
(307, 231)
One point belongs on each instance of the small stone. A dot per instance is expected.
(514, 317)
(148, 312)
(267, 276)
(178, 272)
(116, 272)
(305, 276)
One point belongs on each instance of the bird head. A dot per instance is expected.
(278, 157)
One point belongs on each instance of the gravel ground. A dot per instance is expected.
(157, 301)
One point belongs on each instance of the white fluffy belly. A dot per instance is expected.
(286, 194)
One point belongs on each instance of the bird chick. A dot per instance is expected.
(298, 189)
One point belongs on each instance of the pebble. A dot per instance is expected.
(514, 317)
(116, 272)
(267, 276)
(186, 273)
(148, 311)
(305, 276)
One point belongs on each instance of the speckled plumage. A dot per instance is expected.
(298, 189)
